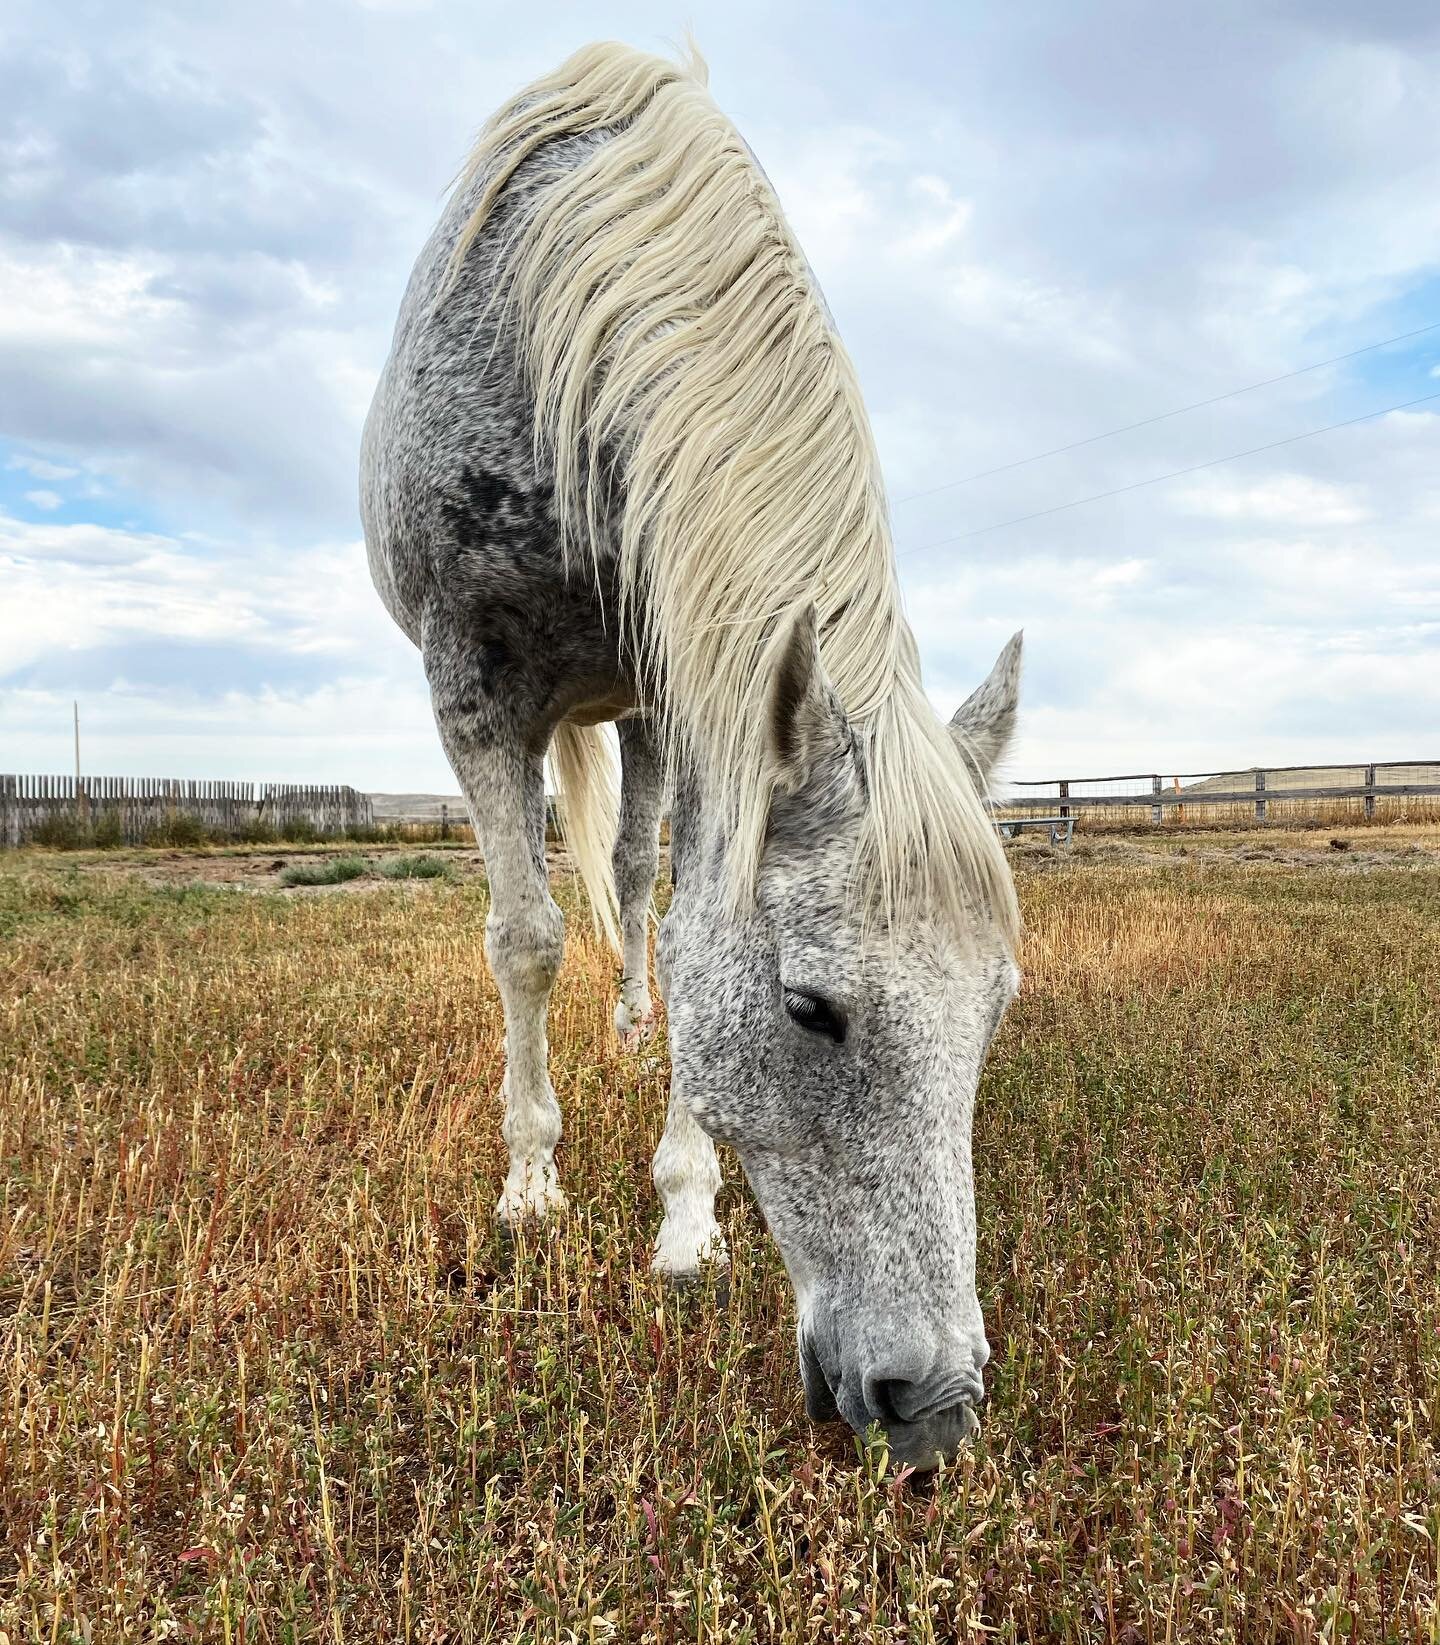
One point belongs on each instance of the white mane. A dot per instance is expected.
(665, 313)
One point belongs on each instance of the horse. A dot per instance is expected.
(618, 470)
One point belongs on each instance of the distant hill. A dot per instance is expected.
(1315, 776)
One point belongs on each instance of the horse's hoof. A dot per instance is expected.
(633, 1031)
(691, 1273)
(697, 1282)
(539, 1200)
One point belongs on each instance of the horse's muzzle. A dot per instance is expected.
(926, 1418)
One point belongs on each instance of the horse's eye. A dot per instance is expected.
(816, 1014)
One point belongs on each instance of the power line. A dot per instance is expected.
(1156, 479)
(1162, 416)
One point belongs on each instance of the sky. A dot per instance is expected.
(1033, 224)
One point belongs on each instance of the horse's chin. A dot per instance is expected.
(939, 1438)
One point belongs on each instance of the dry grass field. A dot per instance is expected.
(267, 1373)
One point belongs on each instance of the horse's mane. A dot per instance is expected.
(665, 315)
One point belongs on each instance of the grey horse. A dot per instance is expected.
(618, 470)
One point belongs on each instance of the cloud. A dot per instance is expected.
(40, 469)
(197, 660)
(1030, 228)
(288, 735)
(100, 586)
(100, 354)
(1288, 499)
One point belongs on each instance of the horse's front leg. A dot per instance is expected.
(687, 1178)
(686, 1170)
(503, 780)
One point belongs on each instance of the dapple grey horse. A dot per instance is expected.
(618, 470)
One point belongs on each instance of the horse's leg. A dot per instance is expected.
(636, 860)
(687, 1177)
(503, 779)
(524, 943)
(686, 1171)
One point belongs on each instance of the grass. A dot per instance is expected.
(103, 830)
(325, 871)
(268, 1374)
(420, 867)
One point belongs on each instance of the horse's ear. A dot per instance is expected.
(805, 722)
(985, 721)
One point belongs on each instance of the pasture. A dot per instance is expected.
(267, 1373)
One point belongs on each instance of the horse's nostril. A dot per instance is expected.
(891, 1399)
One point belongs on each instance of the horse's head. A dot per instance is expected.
(843, 1072)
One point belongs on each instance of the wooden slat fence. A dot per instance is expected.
(141, 808)
(328, 810)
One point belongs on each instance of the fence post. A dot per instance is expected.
(1157, 812)
(1259, 796)
(1369, 793)
(444, 821)
(1064, 795)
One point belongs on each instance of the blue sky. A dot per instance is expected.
(1032, 224)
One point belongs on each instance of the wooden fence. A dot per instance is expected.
(136, 809)
(1372, 790)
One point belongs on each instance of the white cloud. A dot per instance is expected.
(44, 499)
(305, 735)
(84, 596)
(1136, 665)
(40, 468)
(78, 587)
(1281, 499)
(942, 219)
(1123, 574)
(80, 299)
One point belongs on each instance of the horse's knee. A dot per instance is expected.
(525, 948)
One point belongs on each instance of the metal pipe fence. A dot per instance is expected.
(1373, 790)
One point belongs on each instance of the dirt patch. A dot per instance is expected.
(1352, 856)
(261, 870)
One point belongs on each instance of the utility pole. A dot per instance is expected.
(82, 799)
